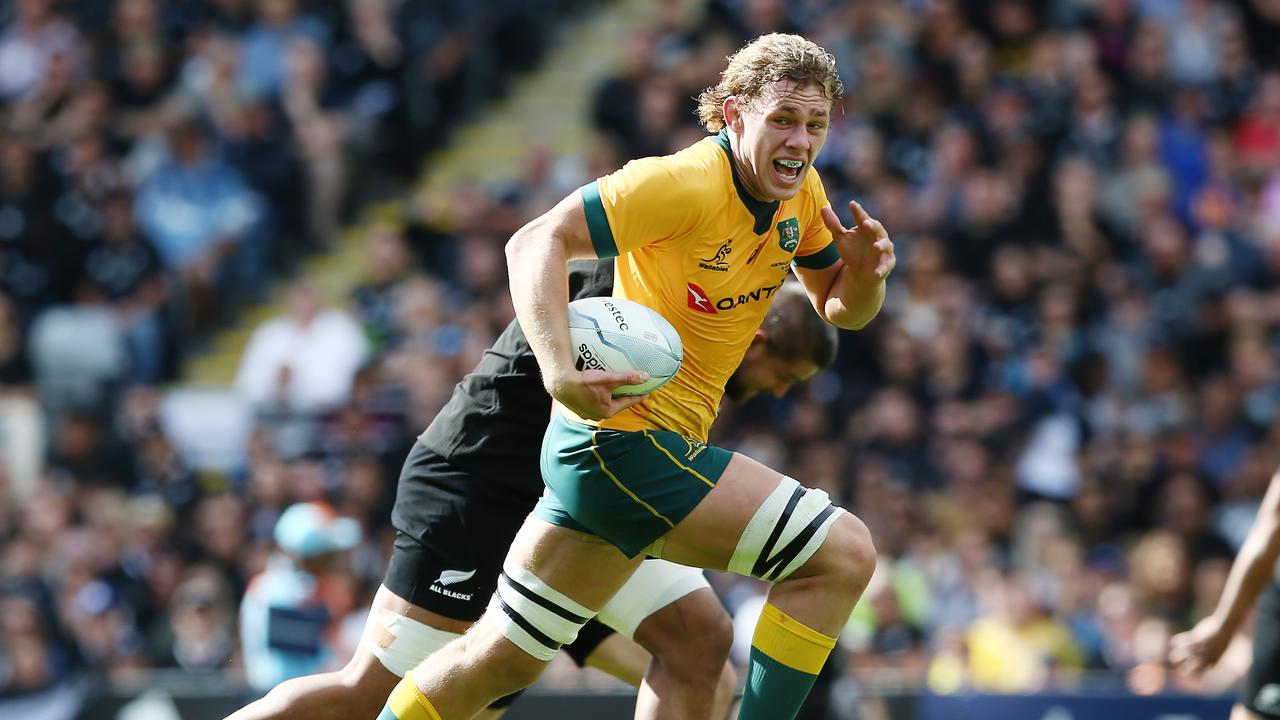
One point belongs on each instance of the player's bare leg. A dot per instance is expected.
(471, 672)
(1240, 712)
(357, 690)
(821, 593)
(361, 687)
(806, 609)
(678, 681)
(671, 689)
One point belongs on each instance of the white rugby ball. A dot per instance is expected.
(622, 335)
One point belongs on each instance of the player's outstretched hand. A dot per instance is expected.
(589, 394)
(1199, 648)
(865, 247)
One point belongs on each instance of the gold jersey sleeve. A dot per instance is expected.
(652, 200)
(695, 247)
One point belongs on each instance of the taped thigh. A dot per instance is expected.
(655, 585)
(399, 642)
(785, 532)
(535, 616)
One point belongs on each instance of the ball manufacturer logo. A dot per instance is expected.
(588, 360)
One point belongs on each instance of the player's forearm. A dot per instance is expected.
(539, 280)
(852, 303)
(1255, 563)
(1250, 573)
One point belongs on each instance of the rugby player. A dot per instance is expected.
(705, 237)
(467, 486)
(1252, 574)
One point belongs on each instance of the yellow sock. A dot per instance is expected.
(786, 656)
(408, 703)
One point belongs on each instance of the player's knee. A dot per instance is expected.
(848, 555)
(705, 646)
(697, 643)
(712, 634)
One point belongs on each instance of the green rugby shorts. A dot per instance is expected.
(628, 487)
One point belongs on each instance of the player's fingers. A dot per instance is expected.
(859, 215)
(623, 402)
(612, 379)
(876, 228)
(832, 222)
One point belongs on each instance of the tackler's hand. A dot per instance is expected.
(866, 248)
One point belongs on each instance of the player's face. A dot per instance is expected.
(763, 371)
(781, 133)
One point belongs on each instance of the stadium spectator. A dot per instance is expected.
(206, 222)
(305, 360)
(290, 610)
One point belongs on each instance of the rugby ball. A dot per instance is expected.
(622, 335)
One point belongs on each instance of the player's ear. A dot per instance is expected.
(759, 341)
(732, 114)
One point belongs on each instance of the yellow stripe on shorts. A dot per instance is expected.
(622, 487)
(790, 641)
(673, 459)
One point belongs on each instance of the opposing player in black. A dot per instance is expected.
(464, 492)
(1252, 574)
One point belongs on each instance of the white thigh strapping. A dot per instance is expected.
(400, 643)
(805, 516)
(655, 585)
(535, 616)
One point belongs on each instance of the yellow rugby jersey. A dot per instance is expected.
(694, 246)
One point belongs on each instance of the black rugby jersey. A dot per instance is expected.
(494, 421)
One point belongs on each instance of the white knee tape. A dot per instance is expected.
(655, 585)
(400, 643)
(536, 617)
(785, 532)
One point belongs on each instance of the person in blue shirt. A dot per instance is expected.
(284, 623)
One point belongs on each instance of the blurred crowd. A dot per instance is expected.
(1057, 430)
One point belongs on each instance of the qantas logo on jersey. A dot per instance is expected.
(700, 301)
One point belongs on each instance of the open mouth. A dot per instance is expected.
(788, 170)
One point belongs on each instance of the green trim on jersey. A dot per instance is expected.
(628, 487)
(597, 222)
(824, 258)
(763, 212)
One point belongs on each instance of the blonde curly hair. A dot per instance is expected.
(759, 64)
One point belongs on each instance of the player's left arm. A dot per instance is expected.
(849, 292)
(1201, 646)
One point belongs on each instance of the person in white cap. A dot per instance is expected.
(284, 622)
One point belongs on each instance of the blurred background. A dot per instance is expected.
(246, 249)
